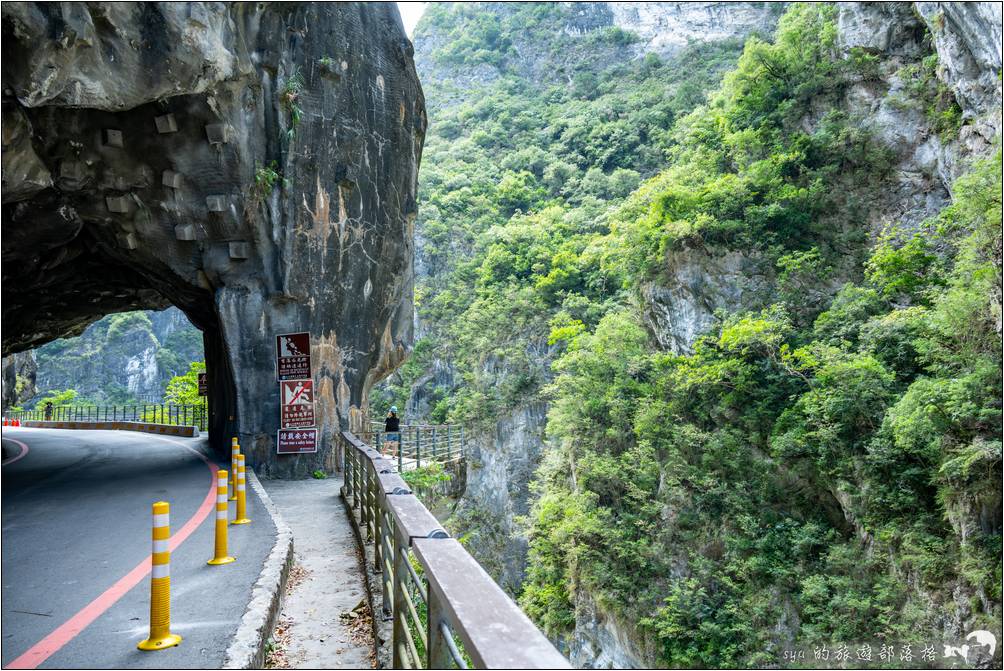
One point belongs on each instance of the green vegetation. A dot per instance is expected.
(289, 98)
(319, 475)
(184, 389)
(265, 180)
(64, 398)
(517, 185)
(426, 478)
(892, 407)
(803, 473)
(119, 356)
(923, 90)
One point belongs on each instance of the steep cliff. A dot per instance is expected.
(19, 372)
(123, 358)
(253, 165)
(804, 265)
(693, 331)
(532, 104)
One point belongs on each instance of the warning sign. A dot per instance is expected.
(292, 356)
(203, 385)
(296, 441)
(297, 403)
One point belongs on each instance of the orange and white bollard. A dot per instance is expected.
(242, 504)
(220, 556)
(235, 450)
(160, 583)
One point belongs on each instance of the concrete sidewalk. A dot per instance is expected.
(321, 625)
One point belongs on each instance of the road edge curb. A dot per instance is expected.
(247, 649)
(182, 431)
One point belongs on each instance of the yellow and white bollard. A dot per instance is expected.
(235, 449)
(220, 556)
(160, 583)
(242, 502)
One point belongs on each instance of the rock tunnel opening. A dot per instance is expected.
(138, 174)
(74, 283)
(108, 219)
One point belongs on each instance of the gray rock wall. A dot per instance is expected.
(20, 365)
(666, 28)
(967, 36)
(680, 304)
(136, 142)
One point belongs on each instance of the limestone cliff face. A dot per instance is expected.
(254, 165)
(121, 356)
(18, 376)
(500, 466)
(681, 303)
(967, 36)
(666, 28)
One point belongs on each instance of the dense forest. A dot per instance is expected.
(820, 458)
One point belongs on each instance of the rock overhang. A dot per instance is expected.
(138, 141)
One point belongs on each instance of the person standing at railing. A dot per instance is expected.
(48, 411)
(392, 432)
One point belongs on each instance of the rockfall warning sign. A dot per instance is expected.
(292, 356)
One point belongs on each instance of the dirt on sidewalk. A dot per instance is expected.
(325, 621)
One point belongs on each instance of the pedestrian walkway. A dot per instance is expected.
(324, 623)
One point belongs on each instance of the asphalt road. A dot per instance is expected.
(76, 525)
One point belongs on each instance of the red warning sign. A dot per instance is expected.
(297, 403)
(292, 356)
(296, 441)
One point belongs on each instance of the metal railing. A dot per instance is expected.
(160, 413)
(440, 443)
(447, 611)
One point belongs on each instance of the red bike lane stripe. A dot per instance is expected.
(24, 451)
(67, 631)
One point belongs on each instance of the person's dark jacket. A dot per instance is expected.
(392, 424)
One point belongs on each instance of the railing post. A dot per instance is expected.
(364, 488)
(377, 524)
(434, 443)
(398, 610)
(355, 478)
(387, 545)
(347, 479)
(438, 652)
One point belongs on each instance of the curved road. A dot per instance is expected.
(76, 547)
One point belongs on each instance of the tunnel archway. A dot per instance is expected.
(253, 165)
